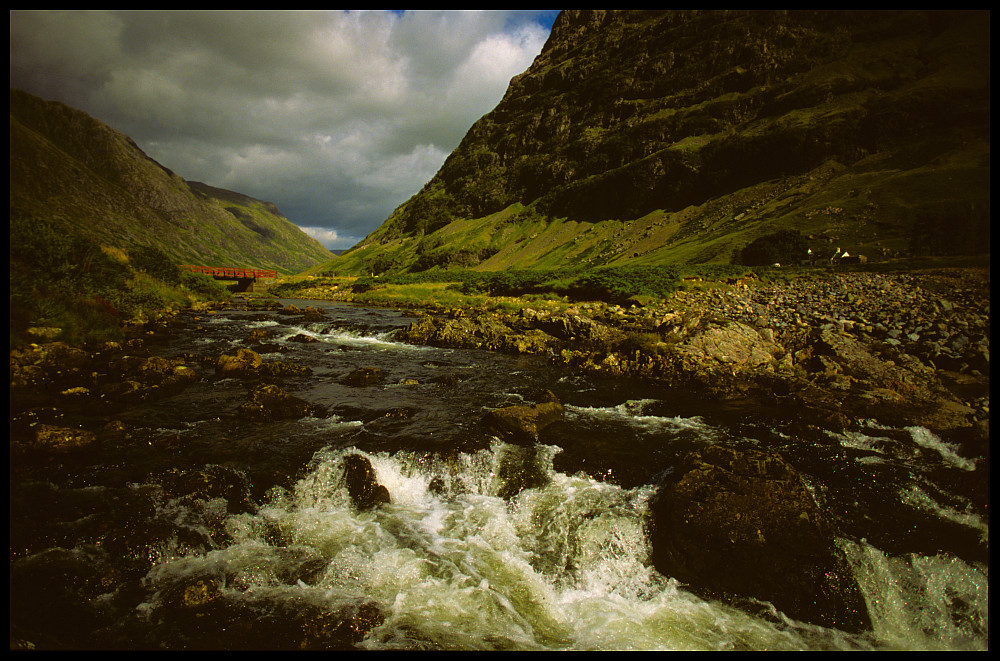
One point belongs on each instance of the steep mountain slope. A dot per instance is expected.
(680, 136)
(69, 170)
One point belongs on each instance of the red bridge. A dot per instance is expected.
(245, 278)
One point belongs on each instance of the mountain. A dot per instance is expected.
(650, 137)
(71, 171)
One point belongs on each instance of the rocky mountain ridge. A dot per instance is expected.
(672, 136)
(74, 172)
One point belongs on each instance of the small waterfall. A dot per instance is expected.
(562, 566)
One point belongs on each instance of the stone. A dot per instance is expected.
(364, 489)
(241, 365)
(269, 402)
(741, 524)
(283, 369)
(62, 440)
(734, 344)
(521, 423)
(364, 376)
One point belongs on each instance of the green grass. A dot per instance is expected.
(60, 280)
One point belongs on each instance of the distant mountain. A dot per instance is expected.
(73, 172)
(649, 137)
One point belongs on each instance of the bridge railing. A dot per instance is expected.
(230, 272)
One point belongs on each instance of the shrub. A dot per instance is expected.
(156, 263)
(617, 285)
(204, 285)
(782, 247)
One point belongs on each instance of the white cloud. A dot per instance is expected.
(335, 116)
(328, 237)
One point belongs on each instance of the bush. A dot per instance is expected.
(62, 279)
(156, 263)
(617, 285)
(204, 285)
(782, 247)
(46, 256)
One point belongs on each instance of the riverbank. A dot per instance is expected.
(907, 347)
(153, 506)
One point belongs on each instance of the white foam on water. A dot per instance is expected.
(948, 452)
(914, 496)
(564, 566)
(350, 337)
(924, 602)
(632, 412)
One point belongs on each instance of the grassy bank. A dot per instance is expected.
(556, 288)
(66, 287)
(551, 288)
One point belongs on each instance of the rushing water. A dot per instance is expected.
(450, 564)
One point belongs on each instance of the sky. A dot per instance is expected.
(338, 117)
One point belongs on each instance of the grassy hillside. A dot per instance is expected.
(74, 174)
(667, 137)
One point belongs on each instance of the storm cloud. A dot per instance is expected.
(336, 116)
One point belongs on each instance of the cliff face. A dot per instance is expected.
(655, 136)
(72, 171)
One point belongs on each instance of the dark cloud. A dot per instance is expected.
(336, 116)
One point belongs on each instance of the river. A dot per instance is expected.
(271, 552)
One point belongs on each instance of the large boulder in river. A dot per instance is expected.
(741, 523)
(521, 423)
(241, 365)
(52, 440)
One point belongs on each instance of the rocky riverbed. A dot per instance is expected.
(136, 462)
(906, 348)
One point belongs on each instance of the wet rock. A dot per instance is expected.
(152, 372)
(193, 612)
(737, 524)
(518, 468)
(241, 365)
(269, 402)
(313, 314)
(259, 335)
(208, 483)
(63, 439)
(282, 369)
(478, 330)
(359, 476)
(364, 376)
(48, 440)
(521, 423)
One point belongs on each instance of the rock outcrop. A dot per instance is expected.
(240, 365)
(742, 524)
